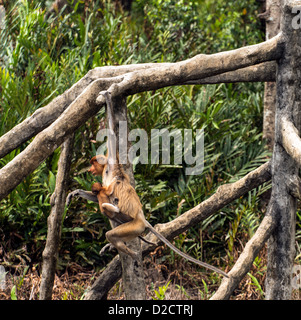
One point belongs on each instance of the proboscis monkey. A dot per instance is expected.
(130, 205)
(115, 178)
(111, 210)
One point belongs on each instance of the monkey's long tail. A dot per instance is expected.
(182, 254)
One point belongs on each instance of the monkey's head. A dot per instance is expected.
(96, 187)
(97, 165)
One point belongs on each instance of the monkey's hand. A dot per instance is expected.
(83, 194)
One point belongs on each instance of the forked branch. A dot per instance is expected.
(85, 106)
(45, 116)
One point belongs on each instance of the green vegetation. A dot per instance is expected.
(42, 57)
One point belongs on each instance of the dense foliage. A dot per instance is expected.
(41, 57)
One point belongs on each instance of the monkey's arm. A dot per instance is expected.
(83, 194)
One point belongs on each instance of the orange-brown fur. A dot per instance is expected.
(118, 184)
(128, 203)
(103, 197)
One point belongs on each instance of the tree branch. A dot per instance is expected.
(265, 71)
(246, 258)
(224, 195)
(54, 220)
(84, 105)
(291, 140)
(246, 56)
(44, 116)
(199, 67)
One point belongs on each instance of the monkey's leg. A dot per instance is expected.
(125, 232)
(120, 218)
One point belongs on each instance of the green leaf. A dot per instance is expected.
(13, 294)
(51, 182)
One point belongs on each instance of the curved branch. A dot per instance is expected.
(87, 104)
(44, 116)
(199, 67)
(198, 70)
(224, 195)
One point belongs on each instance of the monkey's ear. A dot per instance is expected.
(101, 159)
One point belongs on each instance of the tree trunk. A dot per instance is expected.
(281, 245)
(132, 270)
(54, 220)
(272, 18)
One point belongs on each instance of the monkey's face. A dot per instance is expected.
(97, 165)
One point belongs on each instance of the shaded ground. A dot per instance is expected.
(162, 280)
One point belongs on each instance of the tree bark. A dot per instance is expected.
(291, 139)
(132, 270)
(281, 245)
(261, 72)
(272, 18)
(54, 220)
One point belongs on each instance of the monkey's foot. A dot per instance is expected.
(110, 207)
(70, 196)
(107, 248)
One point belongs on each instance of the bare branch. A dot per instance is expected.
(104, 283)
(48, 140)
(44, 116)
(224, 195)
(200, 66)
(84, 105)
(291, 140)
(162, 74)
(265, 71)
(246, 258)
(54, 220)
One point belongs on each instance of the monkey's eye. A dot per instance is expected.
(107, 171)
